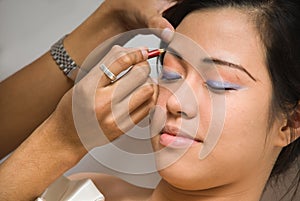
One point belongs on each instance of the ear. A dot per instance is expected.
(292, 124)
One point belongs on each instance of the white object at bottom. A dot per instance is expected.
(64, 189)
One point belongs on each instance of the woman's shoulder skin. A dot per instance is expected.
(114, 188)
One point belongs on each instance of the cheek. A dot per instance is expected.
(245, 129)
(250, 114)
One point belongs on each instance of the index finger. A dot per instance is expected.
(120, 59)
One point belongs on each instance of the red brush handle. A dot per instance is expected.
(155, 53)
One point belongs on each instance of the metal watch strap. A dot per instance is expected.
(62, 58)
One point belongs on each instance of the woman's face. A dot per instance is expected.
(243, 151)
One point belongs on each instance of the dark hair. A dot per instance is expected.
(278, 23)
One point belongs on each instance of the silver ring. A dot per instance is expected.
(108, 73)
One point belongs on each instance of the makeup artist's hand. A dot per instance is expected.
(118, 106)
(114, 17)
(133, 14)
(54, 147)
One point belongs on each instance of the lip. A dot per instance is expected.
(174, 137)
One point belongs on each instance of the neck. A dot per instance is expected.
(231, 192)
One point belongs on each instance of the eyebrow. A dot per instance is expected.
(226, 63)
(174, 52)
(215, 61)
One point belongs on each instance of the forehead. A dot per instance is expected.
(226, 33)
(219, 23)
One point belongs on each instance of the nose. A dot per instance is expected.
(183, 102)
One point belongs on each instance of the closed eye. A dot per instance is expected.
(170, 75)
(221, 86)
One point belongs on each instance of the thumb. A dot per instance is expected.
(166, 30)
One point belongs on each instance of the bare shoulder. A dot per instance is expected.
(114, 188)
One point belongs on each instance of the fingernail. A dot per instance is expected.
(167, 35)
(145, 53)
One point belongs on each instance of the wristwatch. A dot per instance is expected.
(63, 59)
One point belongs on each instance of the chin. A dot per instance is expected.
(182, 180)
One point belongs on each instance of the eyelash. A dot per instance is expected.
(221, 86)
